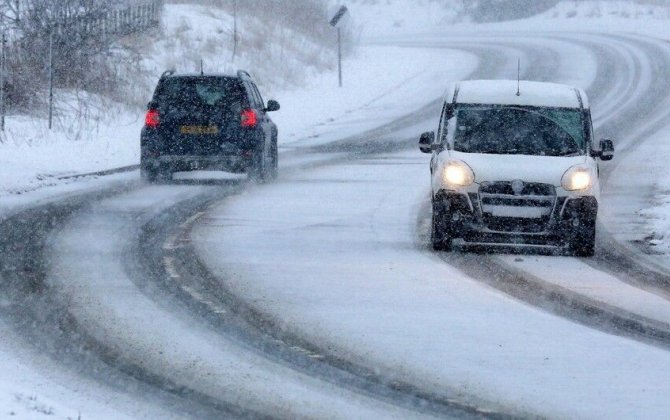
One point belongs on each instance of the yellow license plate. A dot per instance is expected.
(199, 129)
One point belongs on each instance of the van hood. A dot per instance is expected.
(541, 169)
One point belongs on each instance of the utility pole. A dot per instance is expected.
(51, 77)
(234, 28)
(3, 56)
(339, 54)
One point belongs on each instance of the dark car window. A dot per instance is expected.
(518, 130)
(200, 92)
(253, 94)
(258, 96)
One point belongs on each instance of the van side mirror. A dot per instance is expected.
(426, 142)
(606, 150)
(152, 105)
(272, 106)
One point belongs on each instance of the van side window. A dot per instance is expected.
(441, 130)
(447, 113)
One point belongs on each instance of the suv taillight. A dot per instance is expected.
(249, 118)
(152, 119)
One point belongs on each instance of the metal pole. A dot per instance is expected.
(234, 29)
(51, 79)
(2, 83)
(339, 54)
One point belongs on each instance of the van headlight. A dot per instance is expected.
(577, 178)
(457, 174)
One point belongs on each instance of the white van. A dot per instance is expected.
(513, 163)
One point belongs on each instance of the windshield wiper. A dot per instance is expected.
(568, 153)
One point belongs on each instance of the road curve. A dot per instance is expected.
(132, 235)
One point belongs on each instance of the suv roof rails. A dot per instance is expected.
(240, 73)
(167, 73)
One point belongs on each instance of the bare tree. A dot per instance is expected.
(83, 34)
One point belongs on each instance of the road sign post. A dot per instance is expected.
(335, 22)
(339, 55)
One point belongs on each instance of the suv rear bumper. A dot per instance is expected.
(466, 220)
(180, 163)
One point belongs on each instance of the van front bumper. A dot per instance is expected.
(555, 225)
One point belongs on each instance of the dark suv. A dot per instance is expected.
(208, 122)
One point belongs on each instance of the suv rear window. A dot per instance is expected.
(199, 92)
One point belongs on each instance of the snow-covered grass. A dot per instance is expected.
(402, 17)
(372, 17)
(657, 232)
(640, 203)
(589, 16)
(598, 9)
(83, 140)
(278, 57)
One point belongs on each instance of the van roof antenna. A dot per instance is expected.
(202, 68)
(518, 78)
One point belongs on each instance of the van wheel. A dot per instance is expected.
(583, 243)
(439, 234)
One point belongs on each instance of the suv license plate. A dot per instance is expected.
(199, 129)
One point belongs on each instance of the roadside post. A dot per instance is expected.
(336, 22)
(3, 57)
(235, 39)
(51, 77)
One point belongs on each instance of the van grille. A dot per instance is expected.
(516, 206)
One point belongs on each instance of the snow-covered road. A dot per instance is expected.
(333, 256)
(317, 296)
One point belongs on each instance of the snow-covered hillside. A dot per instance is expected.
(379, 17)
(600, 9)
(382, 17)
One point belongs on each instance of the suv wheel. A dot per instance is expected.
(149, 175)
(258, 170)
(274, 165)
(439, 234)
(156, 175)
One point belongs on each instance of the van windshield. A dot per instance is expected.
(519, 130)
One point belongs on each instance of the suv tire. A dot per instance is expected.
(258, 171)
(440, 236)
(274, 165)
(149, 175)
(154, 175)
